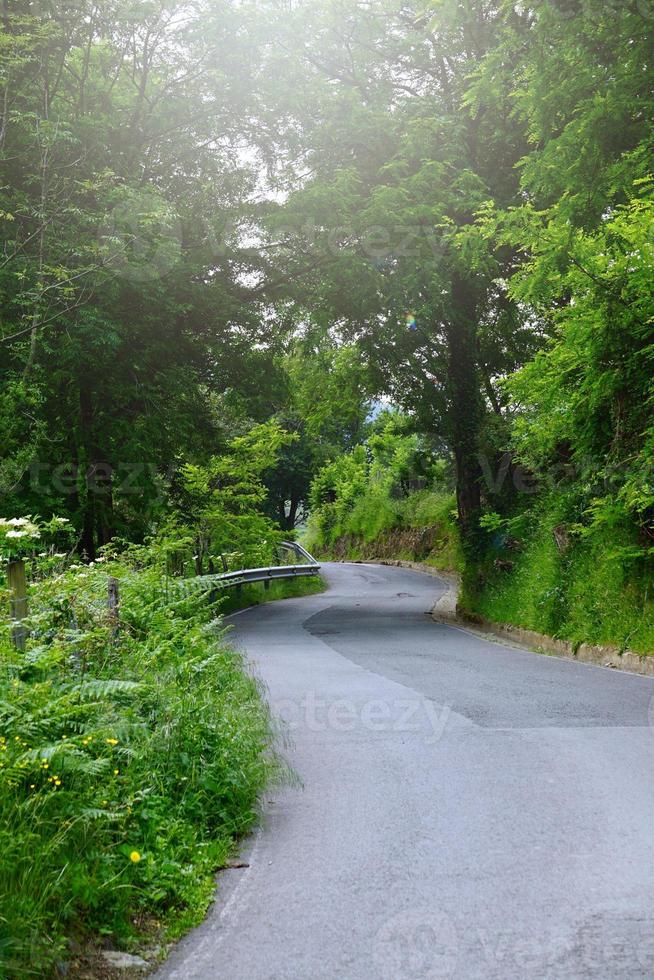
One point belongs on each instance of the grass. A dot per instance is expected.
(129, 763)
(418, 527)
(587, 594)
(254, 595)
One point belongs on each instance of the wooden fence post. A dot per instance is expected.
(18, 587)
(113, 605)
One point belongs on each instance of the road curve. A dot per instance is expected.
(468, 810)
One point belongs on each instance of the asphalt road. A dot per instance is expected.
(468, 810)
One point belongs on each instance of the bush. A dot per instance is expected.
(129, 761)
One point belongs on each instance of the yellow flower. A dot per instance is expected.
(135, 857)
(112, 741)
(115, 772)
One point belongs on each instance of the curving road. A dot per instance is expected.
(468, 810)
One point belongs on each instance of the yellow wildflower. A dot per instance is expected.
(135, 857)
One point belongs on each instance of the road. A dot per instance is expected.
(468, 810)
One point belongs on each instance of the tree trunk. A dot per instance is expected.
(292, 513)
(98, 497)
(465, 404)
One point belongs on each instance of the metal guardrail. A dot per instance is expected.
(245, 576)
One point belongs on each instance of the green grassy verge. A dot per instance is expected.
(254, 595)
(129, 763)
(585, 589)
(418, 527)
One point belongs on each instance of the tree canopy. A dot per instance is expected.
(219, 215)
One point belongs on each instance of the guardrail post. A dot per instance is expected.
(18, 603)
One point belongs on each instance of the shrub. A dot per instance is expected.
(129, 760)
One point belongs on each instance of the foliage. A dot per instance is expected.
(129, 761)
(326, 408)
(393, 482)
(20, 536)
(221, 501)
(125, 309)
(563, 576)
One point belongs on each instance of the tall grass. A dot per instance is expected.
(420, 526)
(588, 592)
(129, 762)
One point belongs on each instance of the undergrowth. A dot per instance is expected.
(130, 760)
(549, 571)
(389, 498)
(421, 528)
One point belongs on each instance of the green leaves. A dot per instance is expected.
(126, 768)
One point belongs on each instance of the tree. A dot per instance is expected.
(123, 277)
(393, 176)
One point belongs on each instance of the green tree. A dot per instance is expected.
(394, 173)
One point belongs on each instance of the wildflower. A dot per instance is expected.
(112, 741)
(135, 857)
(115, 772)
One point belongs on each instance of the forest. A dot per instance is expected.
(373, 274)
